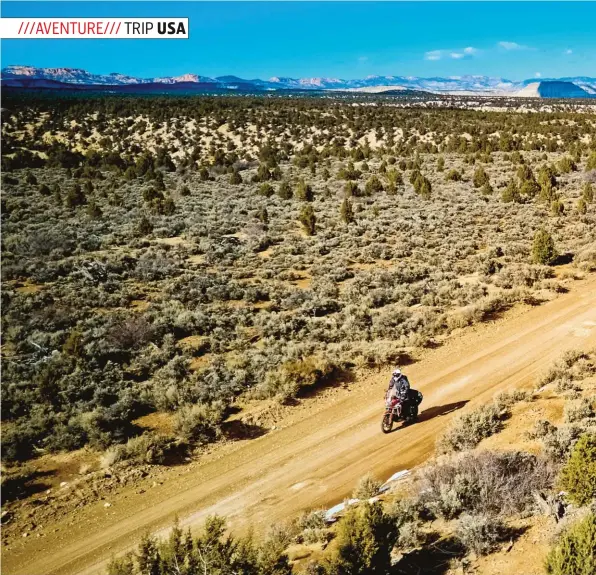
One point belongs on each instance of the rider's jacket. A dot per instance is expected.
(399, 386)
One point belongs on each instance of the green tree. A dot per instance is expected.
(574, 554)
(304, 192)
(557, 207)
(365, 538)
(93, 210)
(266, 190)
(263, 215)
(373, 186)
(204, 174)
(285, 190)
(543, 248)
(591, 163)
(144, 226)
(308, 219)
(487, 189)
(346, 211)
(235, 178)
(578, 476)
(511, 192)
(582, 206)
(480, 177)
(168, 206)
(75, 197)
(566, 165)
(453, 176)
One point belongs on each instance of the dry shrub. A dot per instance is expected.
(368, 486)
(147, 448)
(480, 533)
(506, 399)
(542, 428)
(410, 535)
(586, 258)
(199, 423)
(572, 365)
(313, 526)
(559, 442)
(294, 375)
(469, 429)
(578, 409)
(130, 333)
(488, 482)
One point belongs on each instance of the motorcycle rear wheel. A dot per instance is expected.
(387, 423)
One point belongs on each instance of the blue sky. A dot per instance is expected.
(514, 40)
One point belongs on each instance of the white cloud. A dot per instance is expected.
(512, 46)
(568, 51)
(457, 54)
(433, 55)
(538, 75)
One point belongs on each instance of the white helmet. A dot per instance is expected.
(397, 372)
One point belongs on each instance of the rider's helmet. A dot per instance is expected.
(397, 372)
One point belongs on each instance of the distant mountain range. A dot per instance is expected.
(577, 87)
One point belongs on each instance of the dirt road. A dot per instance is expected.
(316, 461)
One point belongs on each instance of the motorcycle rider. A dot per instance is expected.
(399, 387)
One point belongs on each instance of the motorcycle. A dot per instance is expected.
(395, 410)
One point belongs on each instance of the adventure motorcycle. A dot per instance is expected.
(396, 410)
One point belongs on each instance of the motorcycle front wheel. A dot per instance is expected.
(387, 423)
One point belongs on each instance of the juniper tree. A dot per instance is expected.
(308, 219)
(304, 192)
(346, 211)
(543, 248)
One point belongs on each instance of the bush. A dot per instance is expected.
(453, 176)
(284, 191)
(543, 248)
(480, 178)
(313, 526)
(364, 540)
(308, 219)
(235, 178)
(559, 443)
(211, 551)
(146, 448)
(578, 409)
(294, 375)
(368, 486)
(487, 482)
(480, 533)
(578, 476)
(373, 186)
(347, 211)
(304, 192)
(199, 423)
(469, 429)
(574, 552)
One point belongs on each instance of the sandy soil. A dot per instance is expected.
(316, 460)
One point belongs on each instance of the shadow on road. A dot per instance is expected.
(439, 410)
(432, 412)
